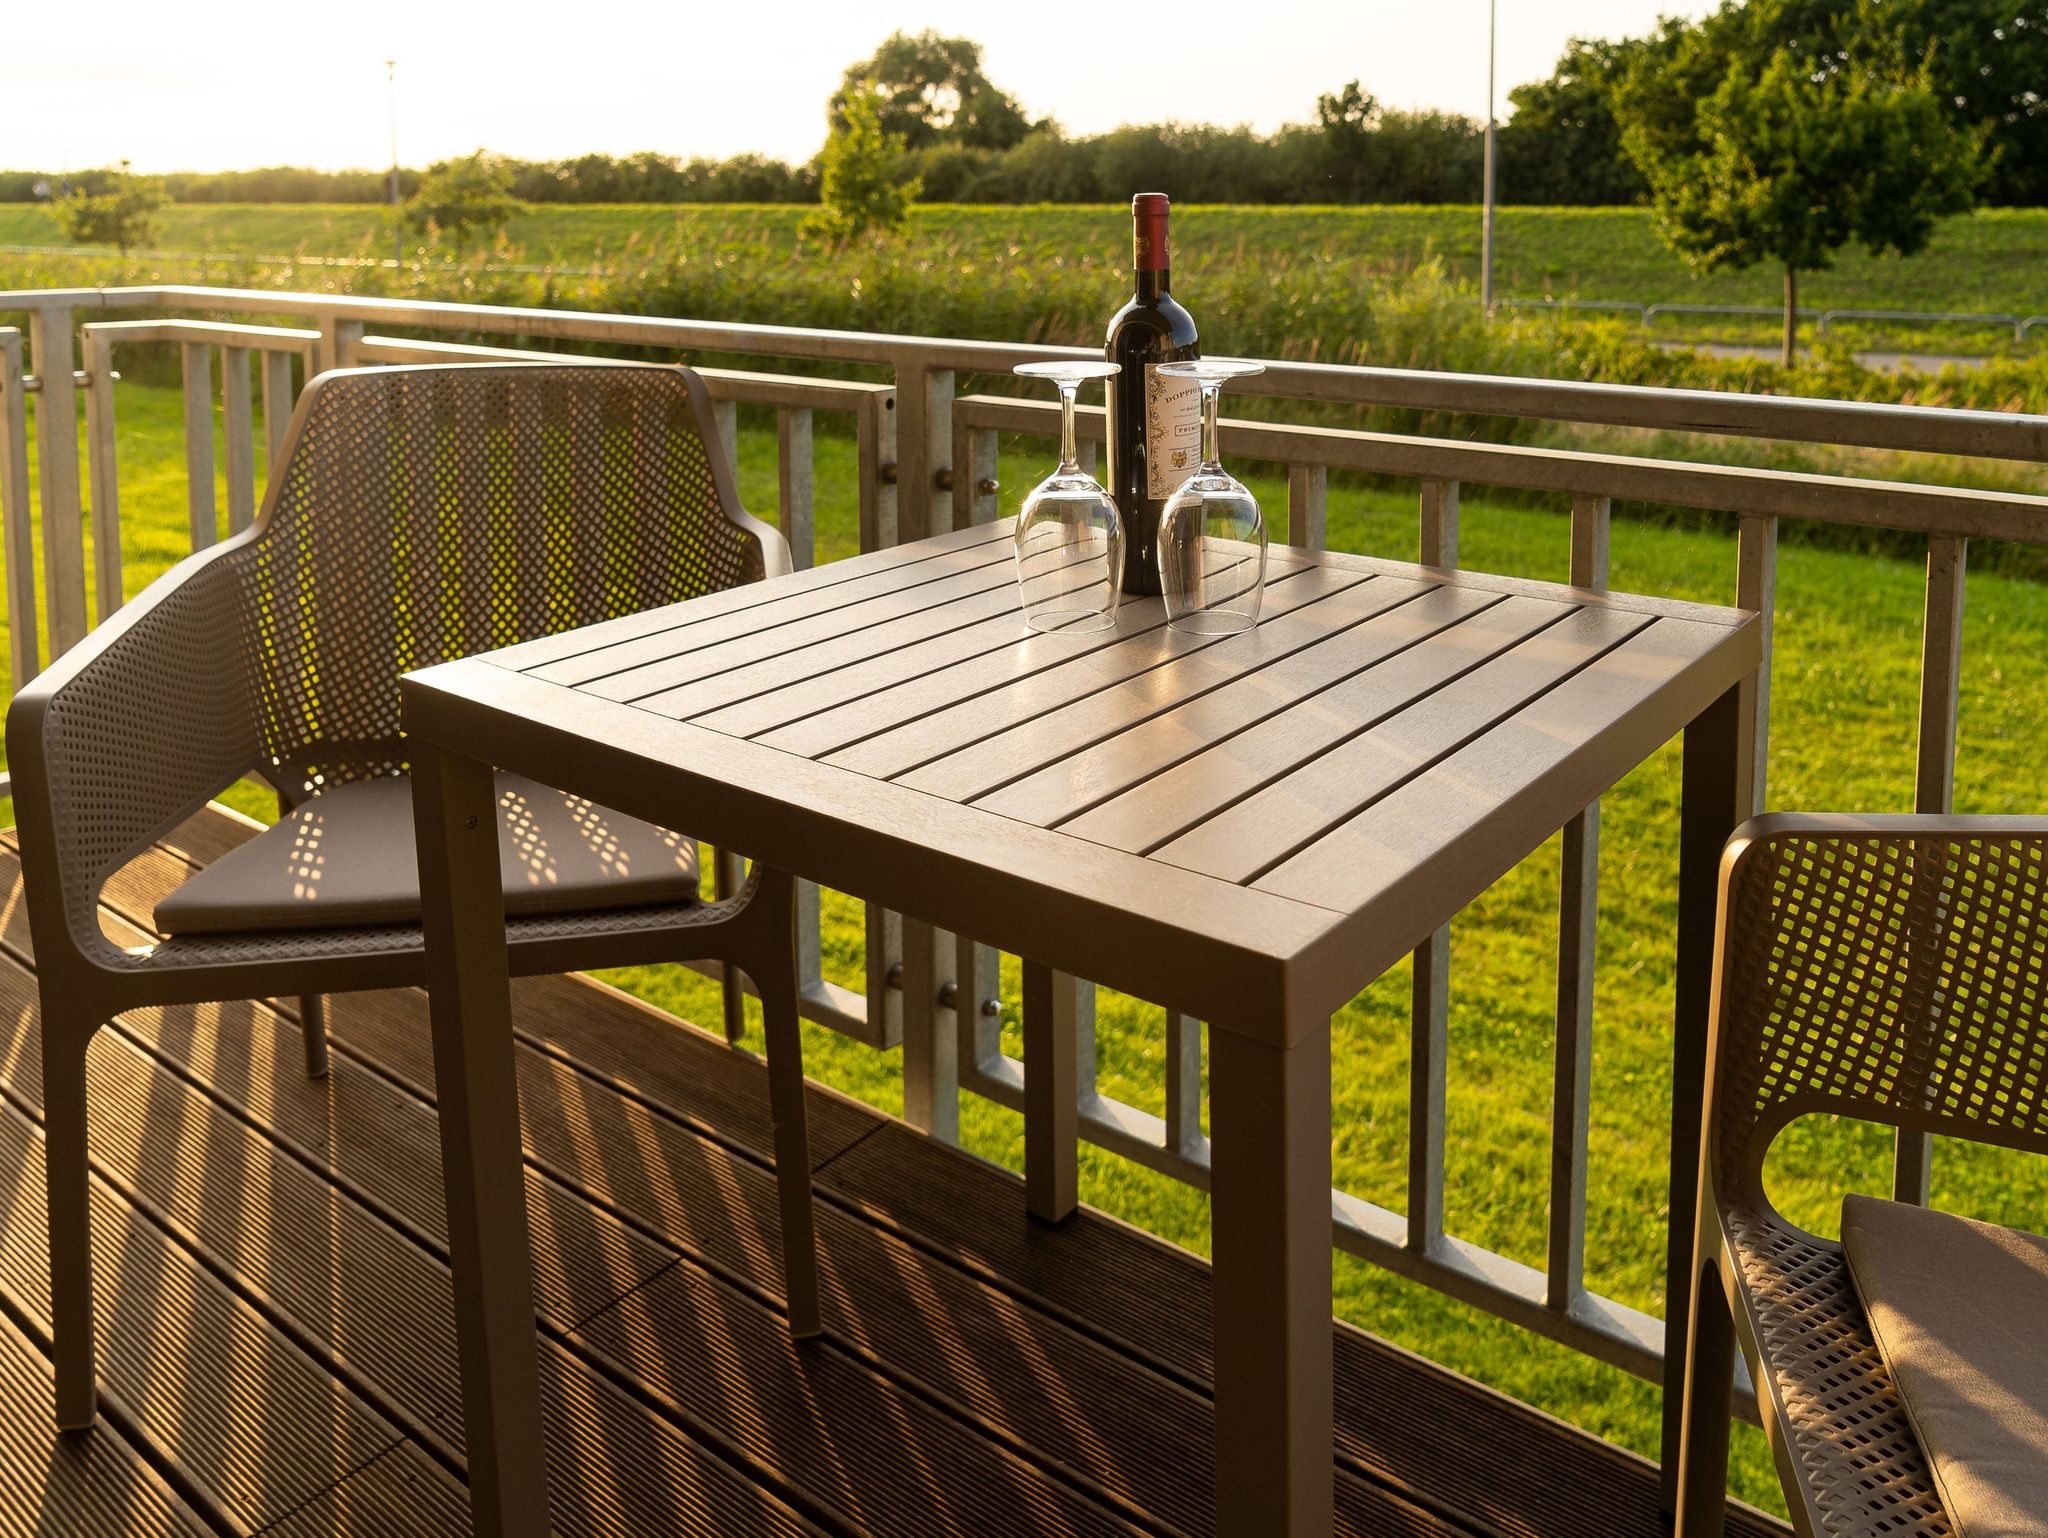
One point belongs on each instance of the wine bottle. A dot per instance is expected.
(1155, 424)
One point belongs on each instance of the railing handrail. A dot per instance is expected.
(1862, 424)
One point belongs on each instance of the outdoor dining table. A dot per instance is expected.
(1247, 829)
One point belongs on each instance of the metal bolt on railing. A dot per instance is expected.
(32, 383)
(949, 998)
(988, 486)
(887, 471)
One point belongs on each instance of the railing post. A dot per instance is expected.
(15, 520)
(1183, 1085)
(1439, 543)
(924, 441)
(978, 1002)
(57, 474)
(931, 1038)
(202, 511)
(1429, 1003)
(277, 406)
(794, 465)
(727, 415)
(103, 472)
(1577, 927)
(1756, 588)
(1934, 775)
(1308, 489)
(337, 344)
(238, 428)
(975, 487)
(875, 433)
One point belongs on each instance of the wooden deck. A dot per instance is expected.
(277, 1341)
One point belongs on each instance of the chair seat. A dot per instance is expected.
(347, 858)
(1960, 1310)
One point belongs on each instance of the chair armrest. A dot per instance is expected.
(126, 735)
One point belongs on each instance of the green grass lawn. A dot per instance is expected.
(1844, 689)
(1990, 261)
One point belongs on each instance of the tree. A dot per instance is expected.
(112, 207)
(1562, 145)
(1346, 120)
(1756, 149)
(464, 198)
(932, 90)
(865, 180)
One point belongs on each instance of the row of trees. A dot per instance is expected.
(965, 139)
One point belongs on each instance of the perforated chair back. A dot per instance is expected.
(1894, 976)
(431, 513)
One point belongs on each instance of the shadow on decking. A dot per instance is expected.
(276, 1330)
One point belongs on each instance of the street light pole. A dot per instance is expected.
(1486, 235)
(397, 221)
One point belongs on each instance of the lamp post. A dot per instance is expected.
(1486, 233)
(397, 220)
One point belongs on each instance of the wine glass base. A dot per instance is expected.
(1071, 621)
(1213, 622)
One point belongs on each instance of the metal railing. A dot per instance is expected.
(927, 461)
(1825, 320)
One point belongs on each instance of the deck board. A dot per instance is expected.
(980, 1374)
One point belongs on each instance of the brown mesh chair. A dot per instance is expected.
(1888, 969)
(419, 514)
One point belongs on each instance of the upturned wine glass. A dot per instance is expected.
(1212, 536)
(1070, 540)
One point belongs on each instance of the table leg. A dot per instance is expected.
(456, 824)
(1052, 1113)
(1270, 1180)
(1713, 801)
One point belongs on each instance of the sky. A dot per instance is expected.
(292, 84)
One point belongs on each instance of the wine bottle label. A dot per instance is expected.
(1173, 431)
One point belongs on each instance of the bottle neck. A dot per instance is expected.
(1154, 282)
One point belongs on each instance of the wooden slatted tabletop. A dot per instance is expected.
(1247, 829)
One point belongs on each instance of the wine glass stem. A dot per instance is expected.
(1070, 459)
(1212, 453)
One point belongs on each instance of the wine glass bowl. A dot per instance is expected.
(1212, 535)
(1069, 539)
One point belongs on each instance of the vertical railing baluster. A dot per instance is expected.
(1183, 1084)
(1428, 1043)
(875, 437)
(1308, 490)
(57, 476)
(103, 472)
(1577, 916)
(931, 1039)
(277, 406)
(238, 432)
(727, 415)
(795, 466)
(1429, 1002)
(1756, 588)
(1439, 541)
(924, 441)
(17, 524)
(202, 511)
(1934, 774)
(977, 1010)
(975, 487)
(337, 344)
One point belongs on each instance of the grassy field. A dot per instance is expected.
(1991, 261)
(1843, 694)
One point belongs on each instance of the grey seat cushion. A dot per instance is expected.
(1960, 1311)
(347, 857)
